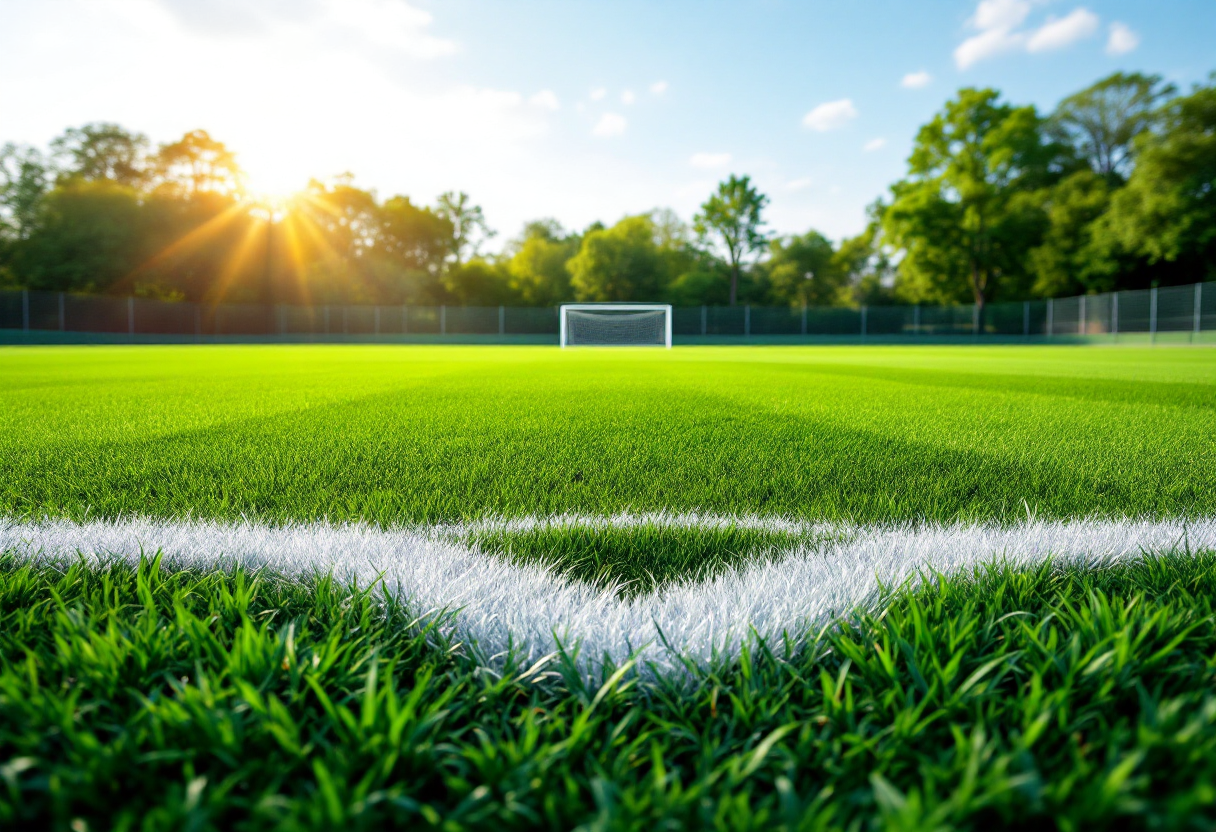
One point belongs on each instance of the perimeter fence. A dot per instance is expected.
(1175, 313)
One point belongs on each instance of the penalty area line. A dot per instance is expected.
(533, 610)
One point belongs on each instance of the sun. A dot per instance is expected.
(273, 188)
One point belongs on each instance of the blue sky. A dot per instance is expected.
(577, 110)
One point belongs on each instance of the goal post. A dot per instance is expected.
(616, 325)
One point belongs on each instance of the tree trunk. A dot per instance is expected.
(734, 282)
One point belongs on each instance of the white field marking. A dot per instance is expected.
(498, 604)
(689, 520)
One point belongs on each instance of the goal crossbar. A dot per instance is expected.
(615, 324)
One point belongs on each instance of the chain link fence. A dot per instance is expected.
(1174, 313)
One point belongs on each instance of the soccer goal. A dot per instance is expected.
(616, 325)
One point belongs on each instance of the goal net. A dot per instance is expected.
(616, 325)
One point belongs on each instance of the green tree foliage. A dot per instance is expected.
(196, 164)
(1104, 120)
(733, 216)
(90, 235)
(469, 228)
(24, 177)
(866, 263)
(1113, 191)
(802, 270)
(1070, 259)
(620, 263)
(968, 212)
(537, 266)
(102, 151)
(412, 243)
(479, 282)
(1167, 212)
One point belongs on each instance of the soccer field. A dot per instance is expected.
(397, 436)
(734, 587)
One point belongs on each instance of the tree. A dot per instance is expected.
(537, 267)
(967, 214)
(198, 163)
(1069, 260)
(89, 235)
(1167, 211)
(414, 235)
(102, 151)
(340, 227)
(469, 229)
(479, 282)
(734, 215)
(866, 263)
(24, 175)
(1103, 121)
(802, 270)
(621, 263)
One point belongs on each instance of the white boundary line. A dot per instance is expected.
(498, 604)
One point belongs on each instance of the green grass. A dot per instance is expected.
(637, 559)
(152, 699)
(408, 435)
(158, 699)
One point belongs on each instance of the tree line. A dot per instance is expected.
(1115, 189)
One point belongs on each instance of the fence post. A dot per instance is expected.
(704, 319)
(975, 320)
(502, 320)
(1025, 319)
(803, 329)
(1050, 316)
(25, 310)
(131, 315)
(1081, 327)
(1114, 314)
(1152, 315)
(63, 321)
(916, 319)
(747, 320)
(1198, 312)
(863, 324)
(443, 319)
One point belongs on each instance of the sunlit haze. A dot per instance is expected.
(577, 111)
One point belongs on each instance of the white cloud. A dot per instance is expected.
(999, 24)
(916, 80)
(996, 21)
(1000, 14)
(598, 93)
(627, 97)
(1122, 39)
(709, 160)
(389, 23)
(800, 184)
(658, 87)
(545, 99)
(831, 115)
(875, 144)
(1058, 33)
(610, 124)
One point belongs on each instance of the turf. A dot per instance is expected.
(146, 698)
(149, 697)
(399, 435)
(639, 558)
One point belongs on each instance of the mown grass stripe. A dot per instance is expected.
(502, 605)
